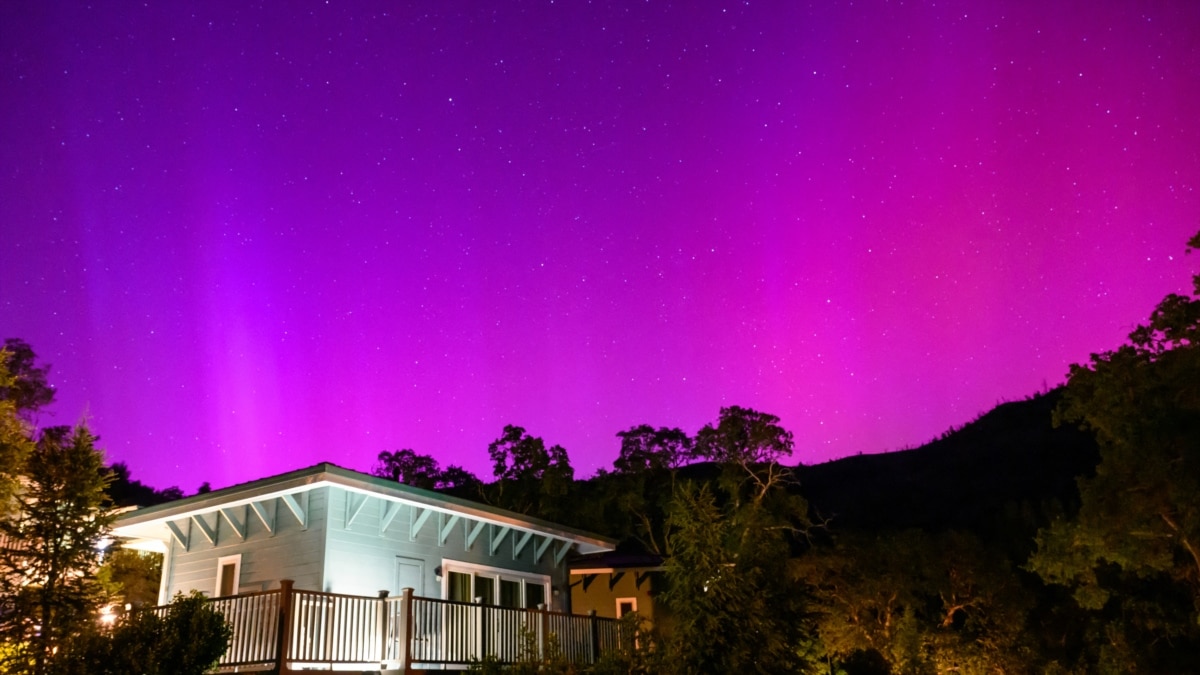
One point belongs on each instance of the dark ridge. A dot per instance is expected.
(1010, 463)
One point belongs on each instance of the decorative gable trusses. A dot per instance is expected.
(236, 519)
(422, 518)
(387, 507)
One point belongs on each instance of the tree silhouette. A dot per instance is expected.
(1138, 528)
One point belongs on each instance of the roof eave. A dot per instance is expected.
(329, 474)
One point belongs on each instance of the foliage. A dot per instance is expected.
(631, 502)
(529, 477)
(422, 471)
(531, 659)
(27, 390)
(918, 601)
(188, 640)
(124, 490)
(744, 437)
(646, 449)
(732, 606)
(15, 443)
(1138, 527)
(748, 445)
(46, 584)
(131, 577)
(406, 466)
(641, 651)
(455, 477)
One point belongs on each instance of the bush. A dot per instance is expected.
(640, 652)
(530, 660)
(187, 641)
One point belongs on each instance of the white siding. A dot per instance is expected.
(359, 560)
(291, 552)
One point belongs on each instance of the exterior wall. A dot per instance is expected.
(291, 552)
(360, 560)
(600, 592)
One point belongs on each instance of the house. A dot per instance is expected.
(332, 530)
(614, 584)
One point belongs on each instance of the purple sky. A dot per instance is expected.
(250, 239)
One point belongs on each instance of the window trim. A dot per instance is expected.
(497, 574)
(237, 573)
(631, 601)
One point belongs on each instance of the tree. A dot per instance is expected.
(455, 477)
(916, 601)
(1138, 526)
(641, 486)
(406, 466)
(529, 477)
(422, 471)
(733, 606)
(15, 443)
(644, 448)
(745, 437)
(630, 502)
(46, 583)
(131, 577)
(28, 390)
(747, 443)
(124, 490)
(188, 639)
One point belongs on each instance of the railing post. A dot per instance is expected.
(284, 644)
(543, 628)
(480, 631)
(382, 621)
(406, 630)
(594, 636)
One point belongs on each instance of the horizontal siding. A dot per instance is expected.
(360, 560)
(600, 592)
(291, 552)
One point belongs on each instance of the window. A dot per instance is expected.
(626, 606)
(458, 587)
(485, 589)
(535, 594)
(229, 572)
(510, 592)
(466, 582)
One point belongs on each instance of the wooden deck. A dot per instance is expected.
(290, 630)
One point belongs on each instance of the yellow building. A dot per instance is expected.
(614, 584)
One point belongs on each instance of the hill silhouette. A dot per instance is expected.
(1010, 463)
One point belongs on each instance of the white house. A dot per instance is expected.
(339, 531)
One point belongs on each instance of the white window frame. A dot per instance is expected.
(617, 606)
(496, 574)
(237, 573)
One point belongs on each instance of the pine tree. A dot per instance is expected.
(47, 587)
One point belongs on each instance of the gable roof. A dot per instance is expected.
(160, 523)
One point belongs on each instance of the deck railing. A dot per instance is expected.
(289, 629)
(254, 619)
(329, 628)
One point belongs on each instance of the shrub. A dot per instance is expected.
(188, 640)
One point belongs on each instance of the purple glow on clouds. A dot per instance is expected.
(250, 239)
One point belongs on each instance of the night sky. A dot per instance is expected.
(252, 238)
